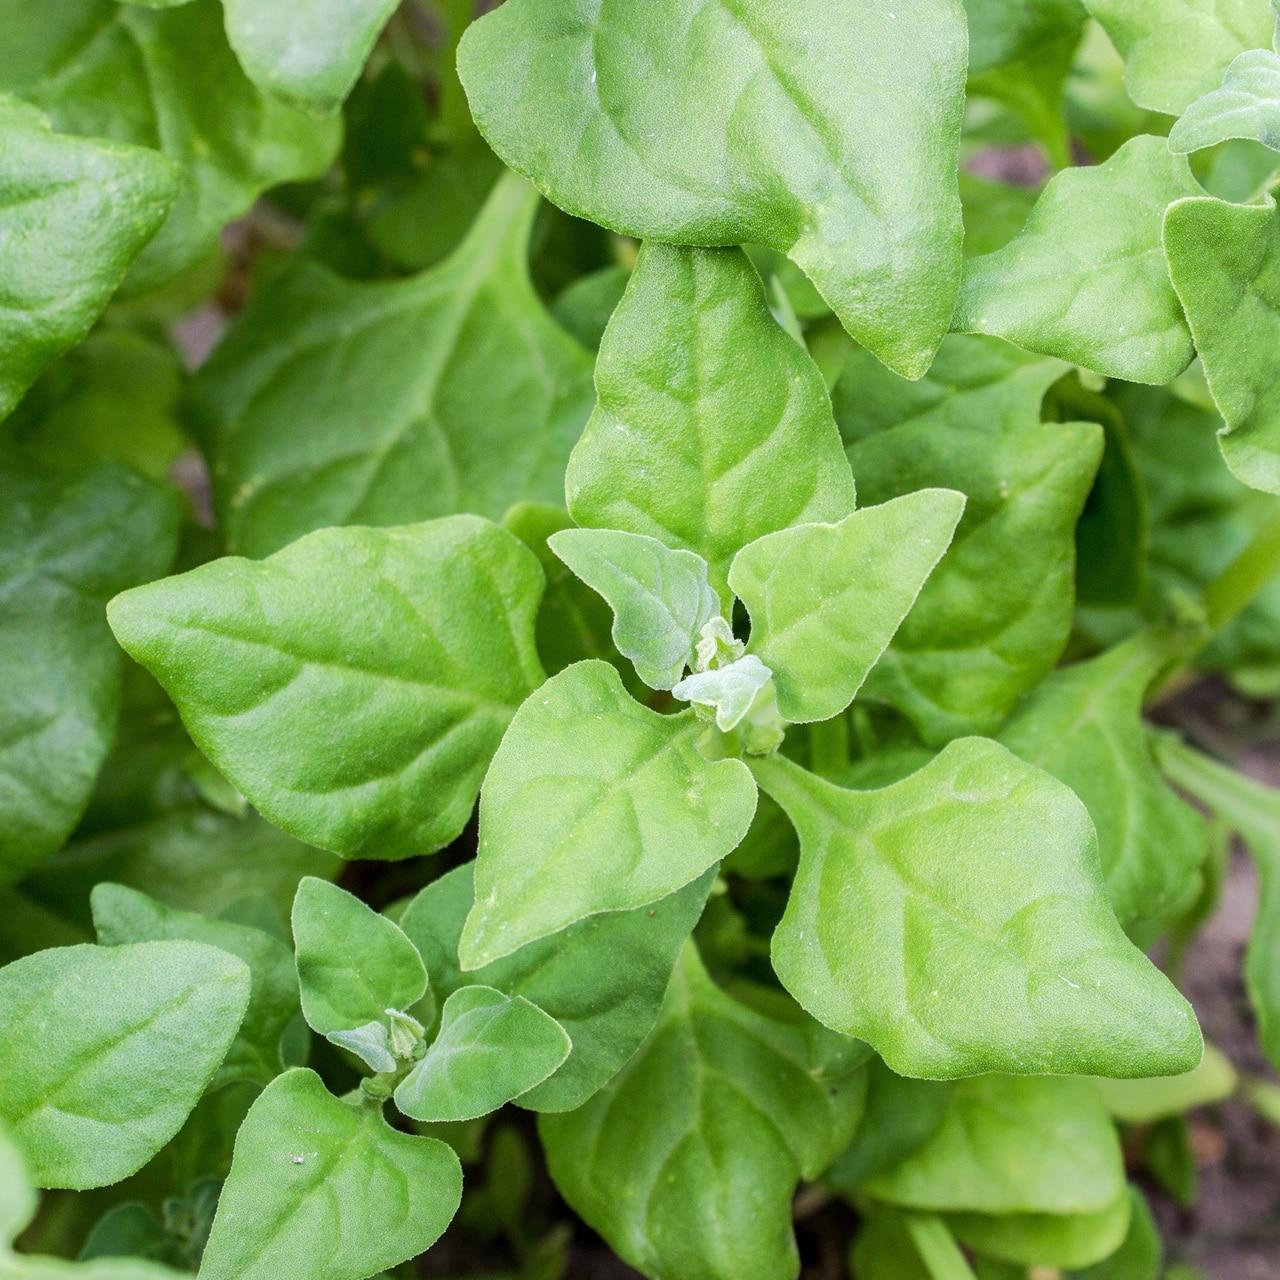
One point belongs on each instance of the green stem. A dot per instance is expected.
(829, 745)
(937, 1248)
(1236, 586)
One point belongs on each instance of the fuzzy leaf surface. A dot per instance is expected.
(1247, 105)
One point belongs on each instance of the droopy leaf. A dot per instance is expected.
(595, 803)
(122, 915)
(1085, 279)
(994, 615)
(1145, 1101)
(686, 1162)
(628, 954)
(73, 216)
(164, 79)
(1084, 725)
(353, 963)
(1176, 50)
(1225, 263)
(107, 1049)
(691, 442)
(978, 873)
(68, 542)
(826, 599)
(660, 598)
(339, 402)
(326, 1190)
(1046, 1239)
(491, 1049)
(1246, 106)
(749, 122)
(1013, 1145)
(396, 655)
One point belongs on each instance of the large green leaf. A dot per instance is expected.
(1085, 280)
(595, 803)
(1247, 105)
(1084, 725)
(322, 1189)
(164, 79)
(122, 915)
(691, 443)
(396, 655)
(794, 125)
(1176, 50)
(629, 956)
(73, 215)
(339, 402)
(686, 1162)
(995, 614)
(1225, 263)
(107, 1049)
(1046, 1239)
(826, 599)
(977, 873)
(68, 542)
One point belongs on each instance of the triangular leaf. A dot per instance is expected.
(1246, 106)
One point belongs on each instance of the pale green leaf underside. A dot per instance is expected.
(322, 1189)
(1225, 263)
(728, 690)
(334, 401)
(826, 599)
(985, 940)
(491, 1049)
(1046, 1239)
(687, 1161)
(17, 1196)
(107, 1049)
(691, 443)
(595, 803)
(397, 655)
(1085, 279)
(353, 963)
(750, 121)
(660, 598)
(1246, 106)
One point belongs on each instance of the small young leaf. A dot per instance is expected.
(107, 1049)
(326, 1190)
(979, 873)
(629, 955)
(825, 599)
(1046, 1239)
(491, 1048)
(1225, 264)
(396, 655)
(1084, 280)
(595, 803)
(660, 597)
(690, 443)
(729, 691)
(707, 124)
(122, 915)
(1246, 106)
(353, 963)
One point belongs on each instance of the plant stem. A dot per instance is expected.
(937, 1248)
(1235, 587)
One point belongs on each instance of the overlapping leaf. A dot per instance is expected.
(1247, 105)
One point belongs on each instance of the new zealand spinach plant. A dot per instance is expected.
(630, 659)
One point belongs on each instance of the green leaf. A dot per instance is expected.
(490, 1050)
(73, 215)
(826, 599)
(1046, 1239)
(994, 615)
(629, 956)
(906, 1246)
(1247, 105)
(686, 1162)
(340, 402)
(660, 598)
(326, 1190)
(1140, 1256)
(1084, 726)
(1145, 1101)
(1084, 280)
(107, 1049)
(1225, 264)
(17, 1196)
(68, 542)
(729, 691)
(1176, 50)
(397, 655)
(977, 873)
(690, 443)
(595, 803)
(166, 79)
(353, 963)
(1013, 1144)
(1005, 31)
(708, 124)
(122, 915)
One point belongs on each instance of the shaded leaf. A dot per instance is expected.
(1046, 1239)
